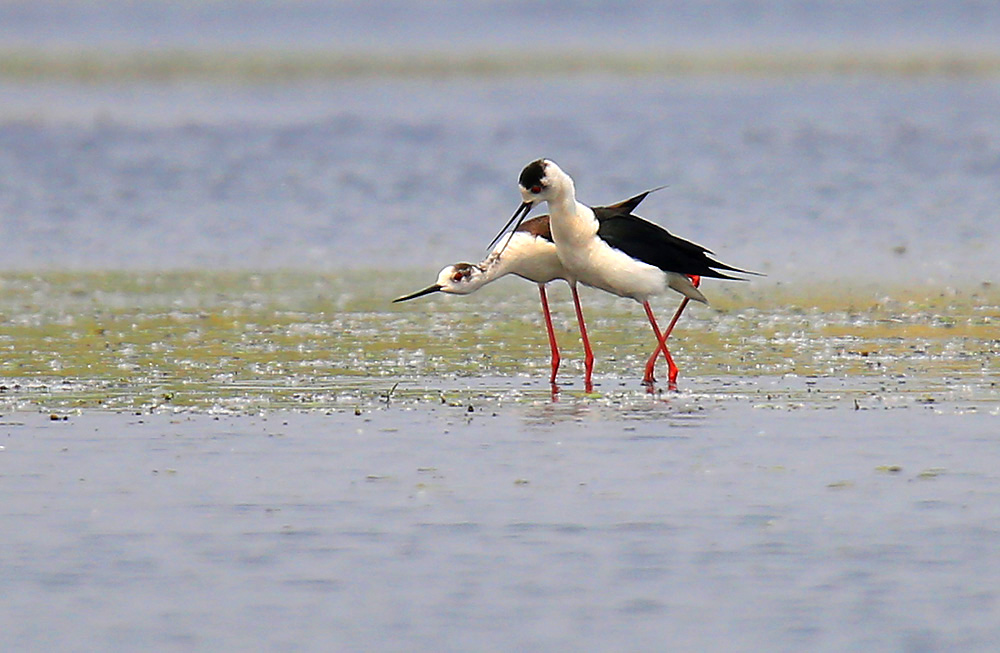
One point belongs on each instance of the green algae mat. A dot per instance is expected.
(245, 342)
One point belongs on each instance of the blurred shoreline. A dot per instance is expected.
(257, 66)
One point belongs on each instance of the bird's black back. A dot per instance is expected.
(644, 240)
(654, 245)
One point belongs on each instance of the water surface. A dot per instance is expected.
(841, 178)
(442, 529)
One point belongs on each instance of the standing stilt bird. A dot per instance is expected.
(529, 252)
(620, 253)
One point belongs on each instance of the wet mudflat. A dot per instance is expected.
(237, 461)
(245, 342)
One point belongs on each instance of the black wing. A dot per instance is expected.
(652, 244)
(624, 207)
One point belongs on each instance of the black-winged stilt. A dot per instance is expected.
(529, 252)
(620, 253)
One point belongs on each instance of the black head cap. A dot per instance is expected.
(532, 174)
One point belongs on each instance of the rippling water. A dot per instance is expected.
(540, 529)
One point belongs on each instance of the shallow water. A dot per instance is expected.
(532, 527)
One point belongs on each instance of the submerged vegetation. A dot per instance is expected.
(249, 341)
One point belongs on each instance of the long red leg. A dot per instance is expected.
(672, 379)
(662, 346)
(695, 281)
(587, 351)
(666, 334)
(553, 346)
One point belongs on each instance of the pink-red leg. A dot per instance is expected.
(553, 346)
(587, 351)
(662, 342)
(695, 281)
(648, 378)
(666, 334)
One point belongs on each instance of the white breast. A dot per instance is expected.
(599, 265)
(593, 262)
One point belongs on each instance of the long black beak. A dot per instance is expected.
(519, 215)
(420, 293)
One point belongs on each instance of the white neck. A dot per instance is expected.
(571, 221)
(563, 207)
(494, 265)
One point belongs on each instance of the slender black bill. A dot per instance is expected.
(420, 293)
(519, 215)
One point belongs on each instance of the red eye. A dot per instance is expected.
(457, 276)
(536, 189)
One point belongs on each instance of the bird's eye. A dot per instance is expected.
(458, 276)
(536, 189)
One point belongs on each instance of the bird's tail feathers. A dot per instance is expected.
(683, 285)
(723, 266)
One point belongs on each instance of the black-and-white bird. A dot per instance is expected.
(530, 253)
(620, 253)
